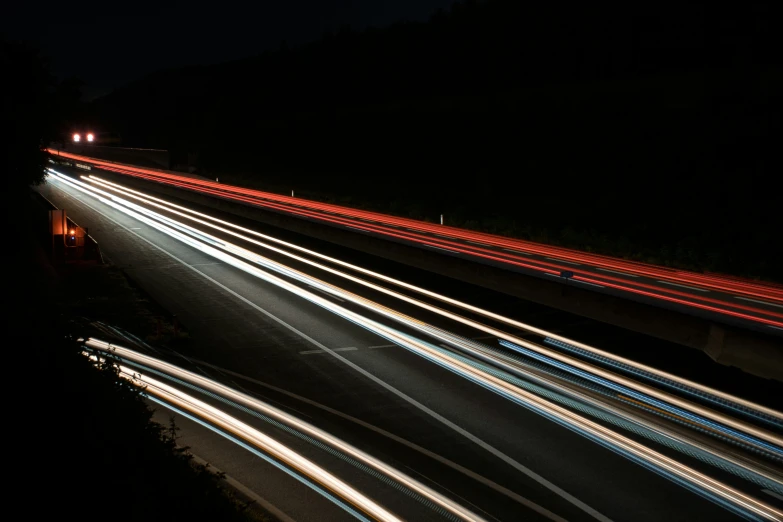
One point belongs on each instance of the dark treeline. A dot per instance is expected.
(645, 130)
(35, 108)
(84, 442)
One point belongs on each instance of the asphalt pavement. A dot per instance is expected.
(461, 438)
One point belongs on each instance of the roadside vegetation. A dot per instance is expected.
(80, 443)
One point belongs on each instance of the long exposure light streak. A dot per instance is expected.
(733, 424)
(189, 214)
(702, 483)
(261, 440)
(286, 418)
(768, 291)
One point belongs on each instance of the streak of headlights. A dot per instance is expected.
(714, 490)
(723, 420)
(288, 419)
(260, 440)
(533, 379)
(683, 385)
(721, 282)
(668, 293)
(733, 427)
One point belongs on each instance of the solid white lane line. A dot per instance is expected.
(327, 304)
(562, 261)
(523, 326)
(444, 249)
(616, 272)
(586, 283)
(405, 442)
(308, 352)
(413, 402)
(683, 286)
(479, 442)
(759, 302)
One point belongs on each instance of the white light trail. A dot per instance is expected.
(290, 420)
(260, 440)
(396, 316)
(171, 207)
(667, 466)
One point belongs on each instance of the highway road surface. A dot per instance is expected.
(366, 366)
(750, 304)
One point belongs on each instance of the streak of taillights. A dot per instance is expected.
(759, 436)
(737, 403)
(714, 490)
(658, 292)
(768, 291)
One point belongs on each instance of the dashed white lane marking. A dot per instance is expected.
(772, 493)
(517, 252)
(135, 228)
(346, 349)
(407, 398)
(586, 283)
(683, 286)
(562, 261)
(775, 327)
(616, 272)
(757, 301)
(444, 249)
(381, 346)
(354, 228)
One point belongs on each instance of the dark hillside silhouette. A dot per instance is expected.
(647, 130)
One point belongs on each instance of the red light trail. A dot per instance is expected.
(452, 239)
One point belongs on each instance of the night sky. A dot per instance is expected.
(107, 44)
